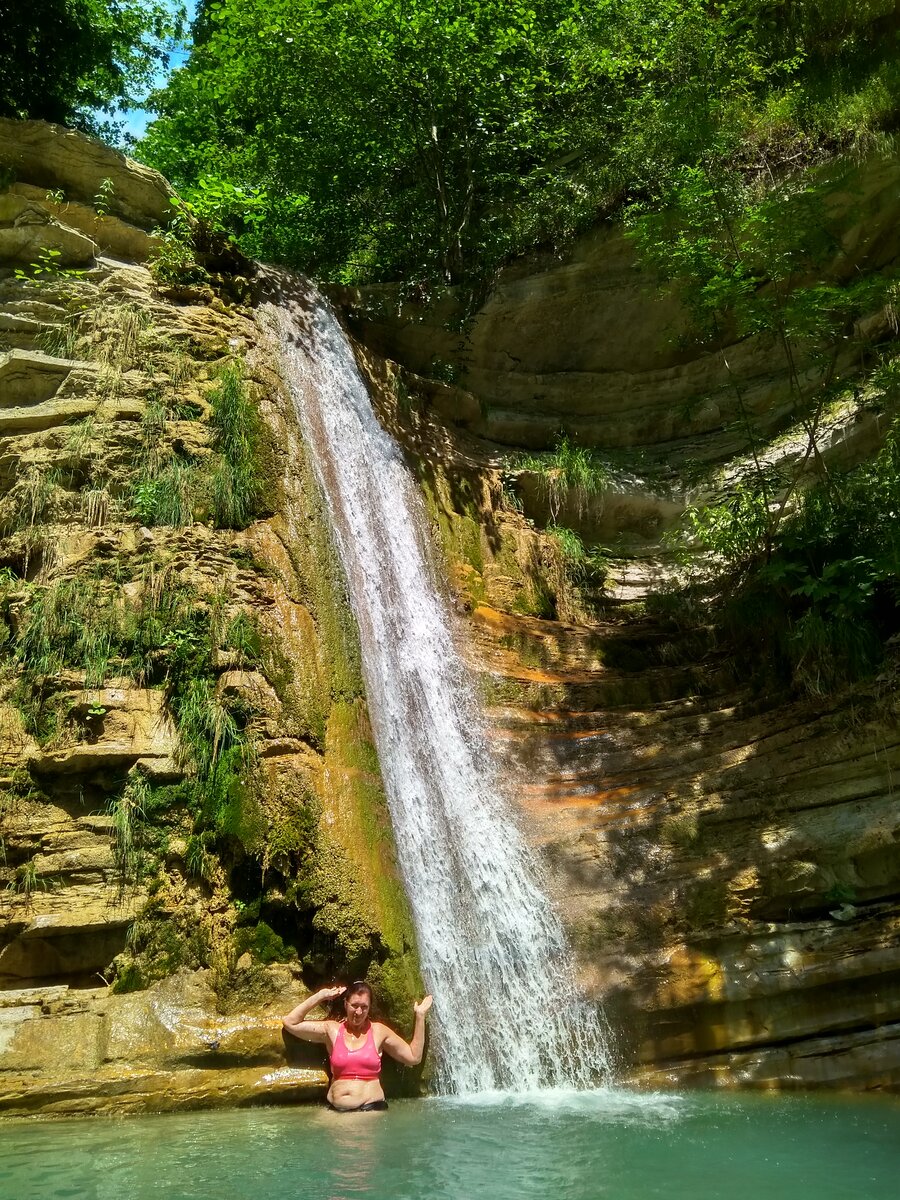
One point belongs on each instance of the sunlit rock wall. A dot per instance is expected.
(148, 947)
(726, 857)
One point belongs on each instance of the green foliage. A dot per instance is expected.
(63, 60)
(537, 600)
(391, 119)
(47, 268)
(741, 258)
(213, 742)
(582, 565)
(747, 252)
(173, 261)
(60, 341)
(569, 474)
(735, 528)
(129, 811)
(30, 501)
(169, 490)
(381, 138)
(104, 196)
(172, 497)
(826, 598)
(198, 858)
(26, 880)
(569, 542)
(238, 478)
(71, 623)
(244, 638)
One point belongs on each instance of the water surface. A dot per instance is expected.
(614, 1145)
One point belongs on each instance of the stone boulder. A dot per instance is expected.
(88, 1050)
(53, 157)
(32, 378)
(112, 235)
(29, 232)
(54, 935)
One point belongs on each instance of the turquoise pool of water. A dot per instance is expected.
(585, 1146)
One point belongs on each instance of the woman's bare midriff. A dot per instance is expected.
(351, 1093)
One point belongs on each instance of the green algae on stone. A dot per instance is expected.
(363, 847)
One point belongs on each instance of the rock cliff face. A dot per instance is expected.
(191, 810)
(725, 854)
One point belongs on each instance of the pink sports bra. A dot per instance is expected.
(364, 1063)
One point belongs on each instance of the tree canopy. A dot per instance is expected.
(367, 139)
(70, 60)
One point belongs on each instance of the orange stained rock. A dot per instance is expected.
(693, 977)
(578, 793)
(605, 807)
(487, 615)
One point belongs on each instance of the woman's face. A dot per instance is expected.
(357, 1007)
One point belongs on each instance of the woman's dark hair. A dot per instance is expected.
(336, 1007)
(354, 989)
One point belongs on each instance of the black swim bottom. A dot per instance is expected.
(372, 1106)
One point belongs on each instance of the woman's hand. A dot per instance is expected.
(423, 1006)
(330, 993)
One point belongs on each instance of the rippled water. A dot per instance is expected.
(576, 1146)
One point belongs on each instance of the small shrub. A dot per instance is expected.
(173, 262)
(31, 501)
(47, 269)
(569, 472)
(129, 812)
(238, 478)
(173, 497)
(243, 637)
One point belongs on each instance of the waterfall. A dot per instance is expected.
(492, 950)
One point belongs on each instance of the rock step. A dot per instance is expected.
(19, 997)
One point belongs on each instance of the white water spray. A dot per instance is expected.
(491, 947)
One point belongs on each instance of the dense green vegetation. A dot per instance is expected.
(63, 60)
(815, 604)
(432, 139)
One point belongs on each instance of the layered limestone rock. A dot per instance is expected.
(191, 810)
(724, 853)
(584, 344)
(152, 1051)
(60, 160)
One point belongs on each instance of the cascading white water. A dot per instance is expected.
(492, 949)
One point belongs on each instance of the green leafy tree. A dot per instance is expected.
(392, 133)
(63, 60)
(433, 139)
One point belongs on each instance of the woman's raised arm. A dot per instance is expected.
(409, 1053)
(310, 1031)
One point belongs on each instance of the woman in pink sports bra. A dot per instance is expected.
(356, 1044)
